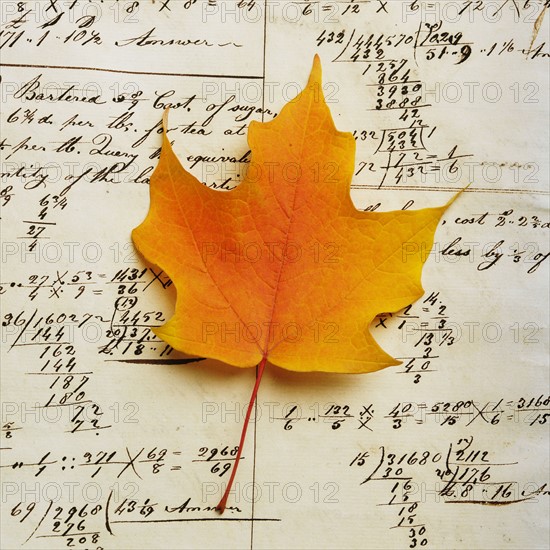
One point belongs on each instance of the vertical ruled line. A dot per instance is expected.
(254, 471)
(256, 403)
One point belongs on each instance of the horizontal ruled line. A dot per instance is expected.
(452, 189)
(462, 483)
(419, 357)
(390, 479)
(79, 534)
(133, 326)
(489, 502)
(191, 519)
(406, 82)
(414, 371)
(407, 526)
(41, 343)
(95, 428)
(121, 71)
(63, 404)
(401, 108)
(485, 464)
(215, 459)
(58, 373)
(408, 503)
(157, 361)
(439, 45)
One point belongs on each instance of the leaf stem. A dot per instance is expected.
(223, 502)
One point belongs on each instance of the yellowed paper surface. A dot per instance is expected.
(112, 440)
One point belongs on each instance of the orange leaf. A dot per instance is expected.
(283, 268)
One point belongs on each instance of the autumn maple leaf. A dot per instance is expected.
(283, 267)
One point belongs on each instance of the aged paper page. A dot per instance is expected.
(113, 440)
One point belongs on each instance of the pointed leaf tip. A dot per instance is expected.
(165, 119)
(316, 74)
(456, 195)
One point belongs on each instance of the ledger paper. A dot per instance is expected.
(111, 439)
